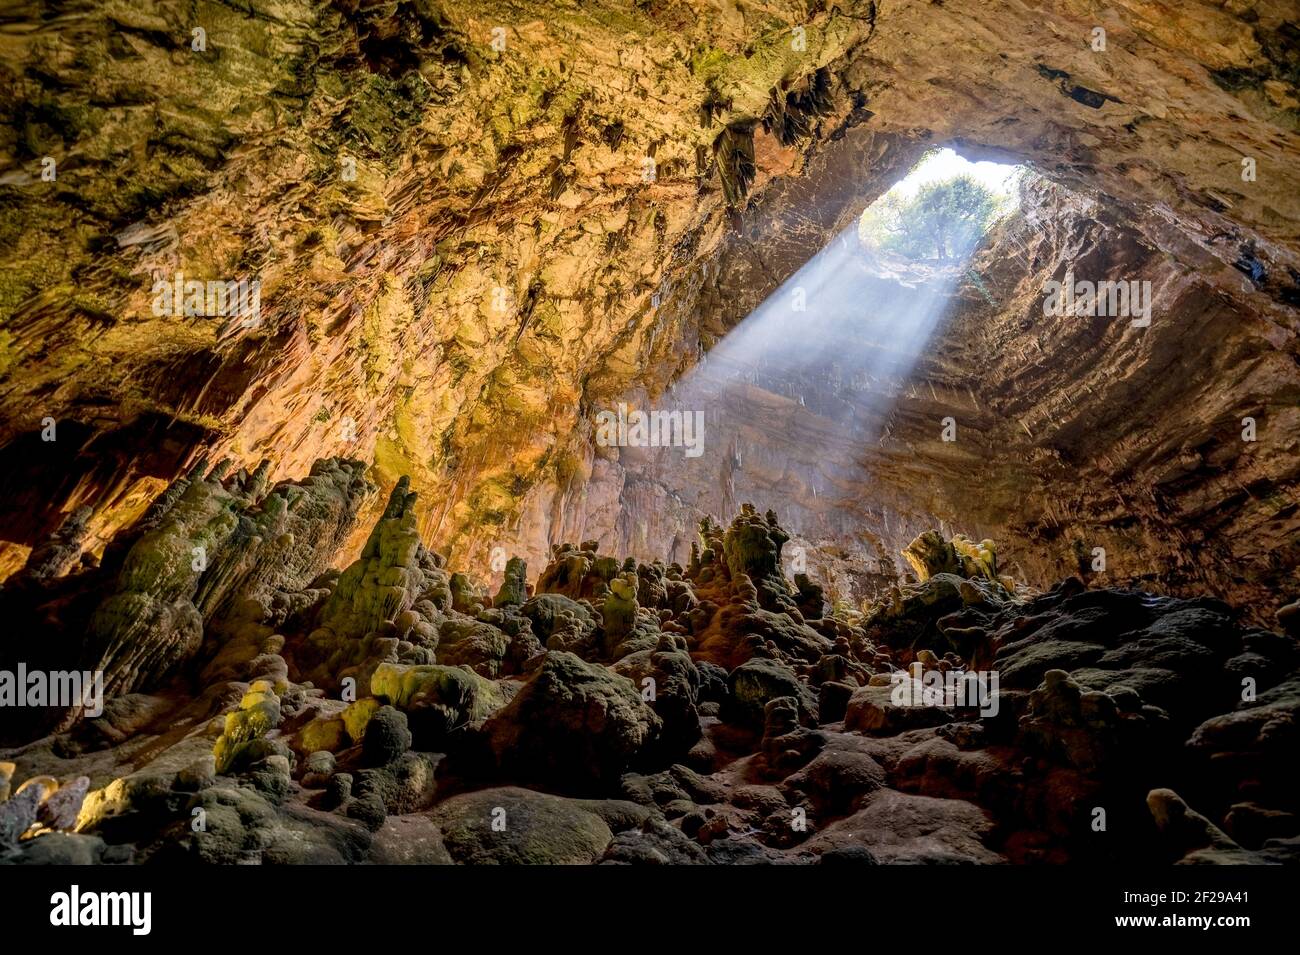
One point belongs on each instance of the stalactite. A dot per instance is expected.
(734, 155)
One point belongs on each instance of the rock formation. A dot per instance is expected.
(476, 225)
(1026, 592)
(667, 714)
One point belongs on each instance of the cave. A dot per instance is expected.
(650, 431)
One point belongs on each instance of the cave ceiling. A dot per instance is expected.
(476, 224)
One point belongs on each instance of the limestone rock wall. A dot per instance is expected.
(463, 253)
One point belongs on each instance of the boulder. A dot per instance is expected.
(436, 699)
(387, 737)
(756, 682)
(572, 724)
(903, 829)
(872, 709)
(512, 826)
(60, 808)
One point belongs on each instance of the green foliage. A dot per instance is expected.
(941, 220)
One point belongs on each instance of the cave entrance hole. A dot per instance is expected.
(828, 351)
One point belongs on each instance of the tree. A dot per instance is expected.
(943, 219)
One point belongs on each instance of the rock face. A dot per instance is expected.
(476, 226)
(210, 551)
(854, 736)
(1054, 473)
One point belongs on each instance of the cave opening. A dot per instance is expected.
(814, 372)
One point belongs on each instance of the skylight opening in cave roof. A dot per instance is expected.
(937, 214)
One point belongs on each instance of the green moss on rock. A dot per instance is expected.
(258, 713)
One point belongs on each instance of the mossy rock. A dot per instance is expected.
(465, 597)
(387, 737)
(572, 724)
(258, 713)
(619, 610)
(323, 733)
(514, 588)
(450, 696)
(556, 614)
(756, 682)
(531, 828)
(358, 715)
(478, 645)
(750, 549)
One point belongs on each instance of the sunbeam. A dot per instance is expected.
(854, 320)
